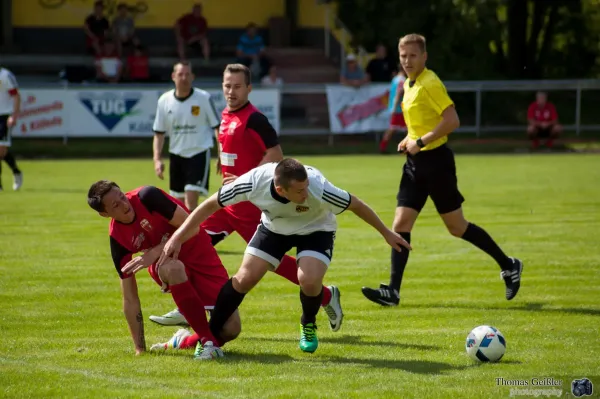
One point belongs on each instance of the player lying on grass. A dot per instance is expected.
(142, 220)
(298, 210)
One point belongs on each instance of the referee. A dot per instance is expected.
(430, 171)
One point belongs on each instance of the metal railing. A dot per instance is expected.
(475, 87)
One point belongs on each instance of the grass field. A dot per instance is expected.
(63, 334)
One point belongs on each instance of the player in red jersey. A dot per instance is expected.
(247, 140)
(142, 220)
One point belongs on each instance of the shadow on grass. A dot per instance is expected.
(528, 307)
(413, 366)
(352, 340)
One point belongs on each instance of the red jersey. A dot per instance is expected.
(244, 137)
(138, 67)
(546, 113)
(191, 25)
(153, 209)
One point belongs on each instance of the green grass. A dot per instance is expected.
(63, 334)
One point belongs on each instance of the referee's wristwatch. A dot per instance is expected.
(420, 143)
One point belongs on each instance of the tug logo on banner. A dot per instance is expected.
(110, 107)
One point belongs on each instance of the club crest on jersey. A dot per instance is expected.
(231, 128)
(145, 224)
(301, 208)
(195, 110)
(139, 240)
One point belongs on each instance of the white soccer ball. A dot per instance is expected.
(486, 344)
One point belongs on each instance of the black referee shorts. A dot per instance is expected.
(432, 174)
(189, 174)
(272, 247)
(4, 131)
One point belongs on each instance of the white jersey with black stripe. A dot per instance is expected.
(281, 216)
(8, 88)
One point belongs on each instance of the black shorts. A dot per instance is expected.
(272, 247)
(432, 174)
(543, 133)
(4, 131)
(189, 174)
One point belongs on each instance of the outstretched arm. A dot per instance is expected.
(189, 228)
(364, 211)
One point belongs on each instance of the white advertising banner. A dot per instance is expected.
(359, 110)
(110, 112)
(44, 113)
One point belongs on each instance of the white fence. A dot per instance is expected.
(128, 110)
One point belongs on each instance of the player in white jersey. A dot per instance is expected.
(298, 210)
(10, 106)
(188, 116)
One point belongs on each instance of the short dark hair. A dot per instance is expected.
(239, 68)
(97, 192)
(184, 63)
(289, 170)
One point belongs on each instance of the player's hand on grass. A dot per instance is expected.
(171, 250)
(412, 147)
(229, 178)
(139, 263)
(396, 241)
(139, 351)
(159, 168)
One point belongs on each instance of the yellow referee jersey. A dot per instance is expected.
(423, 105)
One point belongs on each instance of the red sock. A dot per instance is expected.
(383, 145)
(288, 269)
(549, 143)
(189, 342)
(191, 307)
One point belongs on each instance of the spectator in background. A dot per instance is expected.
(96, 29)
(381, 68)
(251, 51)
(353, 75)
(191, 31)
(271, 79)
(123, 28)
(109, 67)
(138, 69)
(543, 121)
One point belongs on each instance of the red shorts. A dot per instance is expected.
(224, 222)
(205, 272)
(397, 121)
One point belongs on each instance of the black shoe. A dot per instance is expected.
(384, 296)
(512, 278)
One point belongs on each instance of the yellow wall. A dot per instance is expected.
(310, 14)
(160, 13)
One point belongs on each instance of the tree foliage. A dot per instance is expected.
(487, 39)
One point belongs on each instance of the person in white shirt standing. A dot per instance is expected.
(298, 210)
(10, 106)
(188, 116)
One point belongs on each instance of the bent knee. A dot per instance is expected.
(172, 272)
